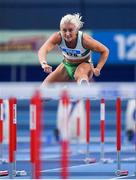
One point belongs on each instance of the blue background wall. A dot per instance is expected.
(45, 14)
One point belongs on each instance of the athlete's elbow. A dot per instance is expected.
(106, 52)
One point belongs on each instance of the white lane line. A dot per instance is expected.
(76, 166)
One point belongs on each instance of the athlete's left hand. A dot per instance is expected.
(96, 71)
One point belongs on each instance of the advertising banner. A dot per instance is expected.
(21, 47)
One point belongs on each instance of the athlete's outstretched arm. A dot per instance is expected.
(46, 48)
(96, 46)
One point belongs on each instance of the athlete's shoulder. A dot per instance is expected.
(56, 37)
(86, 36)
(87, 39)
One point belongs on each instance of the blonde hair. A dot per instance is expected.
(73, 19)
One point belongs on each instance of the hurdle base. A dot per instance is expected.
(3, 161)
(121, 172)
(20, 173)
(106, 161)
(89, 160)
(4, 173)
(15, 173)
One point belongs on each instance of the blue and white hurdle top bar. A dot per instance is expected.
(95, 91)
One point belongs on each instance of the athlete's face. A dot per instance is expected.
(69, 32)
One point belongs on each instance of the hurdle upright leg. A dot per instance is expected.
(118, 139)
(88, 117)
(1, 129)
(11, 139)
(135, 141)
(15, 131)
(102, 127)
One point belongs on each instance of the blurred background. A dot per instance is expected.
(26, 24)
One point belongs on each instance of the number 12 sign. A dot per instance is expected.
(122, 46)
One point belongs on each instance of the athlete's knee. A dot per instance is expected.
(82, 70)
(82, 74)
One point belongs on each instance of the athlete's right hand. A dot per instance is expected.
(47, 68)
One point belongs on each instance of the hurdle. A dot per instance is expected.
(12, 140)
(87, 120)
(119, 172)
(102, 133)
(12, 137)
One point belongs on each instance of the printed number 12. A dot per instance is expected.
(126, 46)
